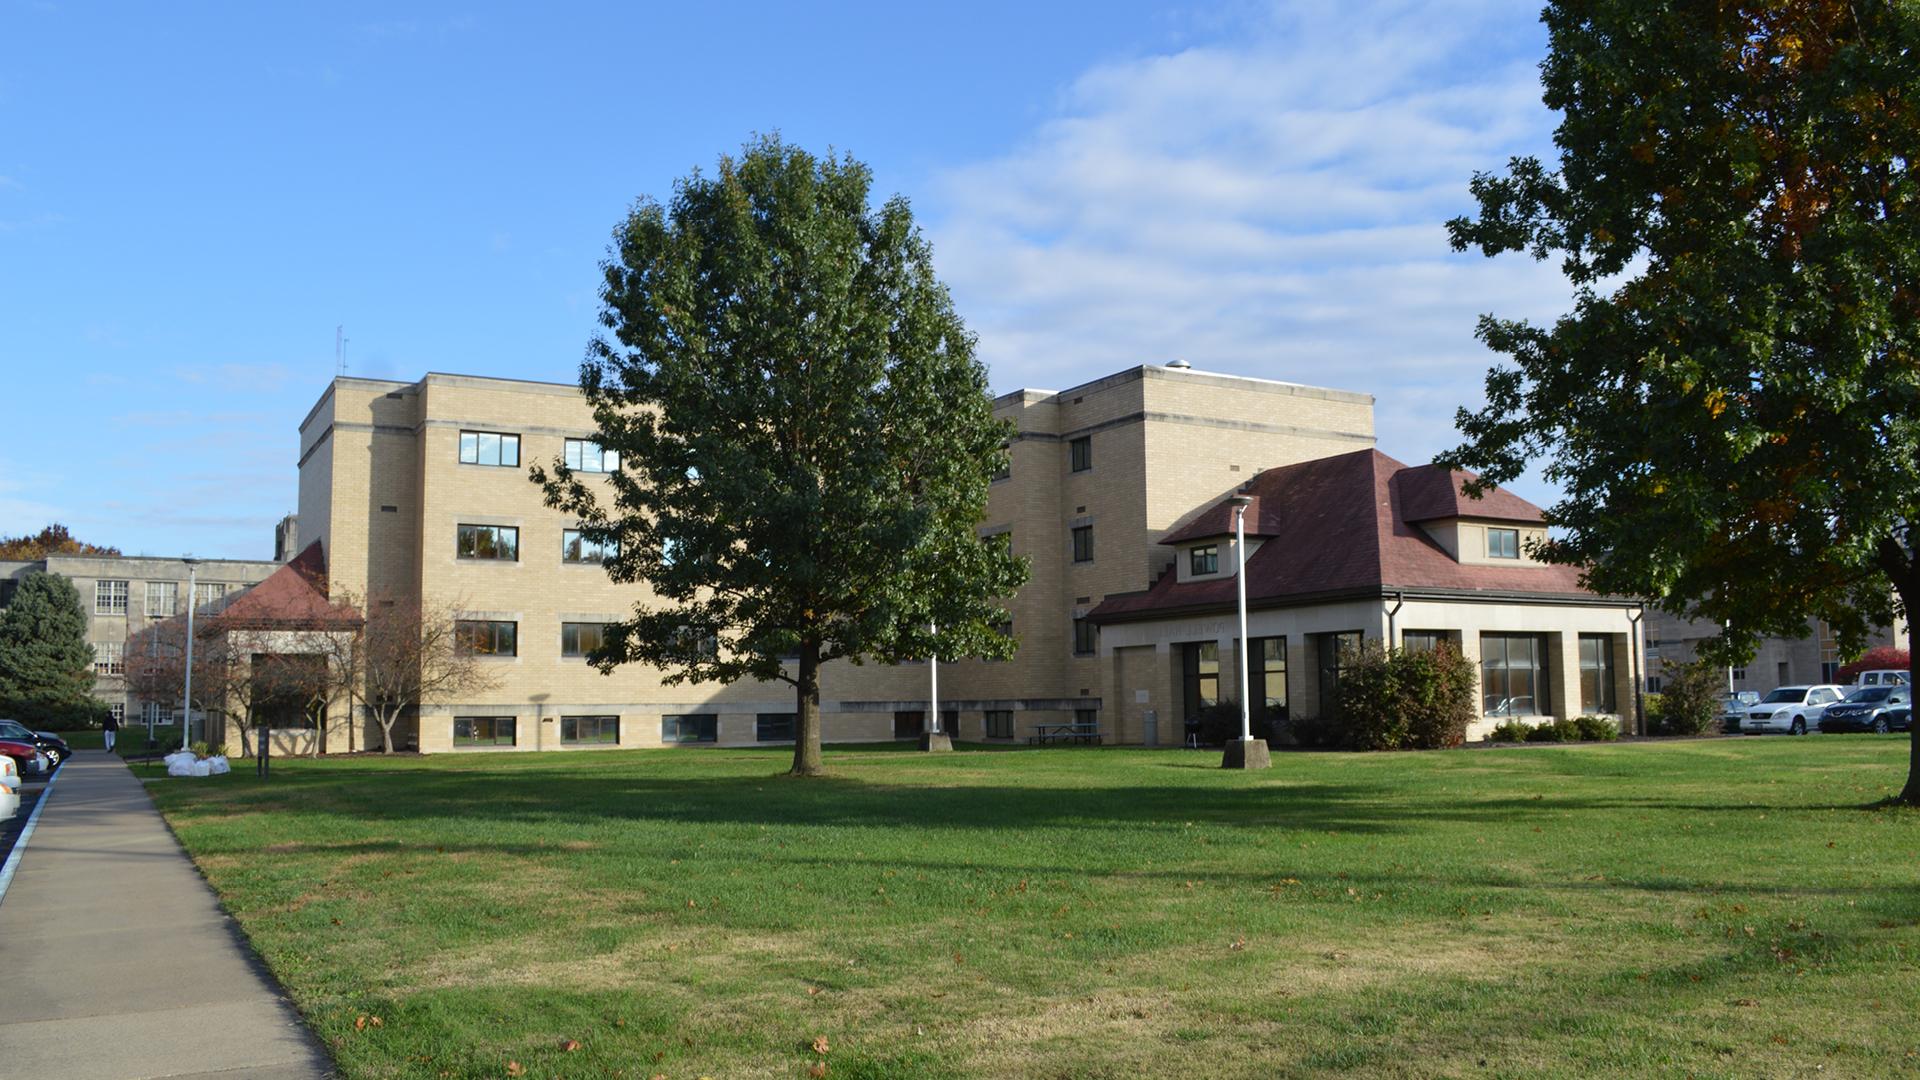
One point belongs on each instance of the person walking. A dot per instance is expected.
(108, 729)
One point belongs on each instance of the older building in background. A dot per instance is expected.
(1777, 661)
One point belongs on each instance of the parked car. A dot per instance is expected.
(52, 745)
(1881, 677)
(1734, 709)
(1899, 718)
(1865, 709)
(1795, 710)
(27, 758)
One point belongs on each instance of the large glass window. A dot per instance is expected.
(109, 598)
(588, 730)
(1200, 675)
(1269, 673)
(998, 723)
(209, 596)
(489, 448)
(1424, 640)
(483, 730)
(162, 599)
(1083, 543)
(154, 712)
(1503, 543)
(582, 455)
(486, 637)
(581, 638)
(107, 658)
(1336, 652)
(1596, 674)
(909, 723)
(1204, 560)
(575, 548)
(1080, 451)
(690, 728)
(1086, 638)
(1512, 674)
(489, 542)
(773, 727)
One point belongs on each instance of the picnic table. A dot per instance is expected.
(1052, 733)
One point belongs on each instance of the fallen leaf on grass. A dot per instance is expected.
(570, 1045)
(813, 991)
(1238, 945)
(820, 1045)
(514, 1068)
(817, 1070)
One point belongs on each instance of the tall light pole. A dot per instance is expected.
(186, 713)
(932, 739)
(1243, 755)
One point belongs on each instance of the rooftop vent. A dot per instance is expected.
(1179, 365)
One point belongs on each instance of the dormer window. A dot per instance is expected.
(1503, 543)
(1204, 560)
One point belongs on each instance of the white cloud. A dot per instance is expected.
(1272, 204)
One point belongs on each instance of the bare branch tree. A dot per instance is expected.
(406, 654)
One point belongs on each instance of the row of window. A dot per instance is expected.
(503, 542)
(503, 449)
(501, 637)
(110, 596)
(605, 730)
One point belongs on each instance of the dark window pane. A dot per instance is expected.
(690, 728)
(1081, 452)
(590, 729)
(773, 727)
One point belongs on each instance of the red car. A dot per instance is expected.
(31, 761)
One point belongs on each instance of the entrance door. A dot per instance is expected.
(909, 723)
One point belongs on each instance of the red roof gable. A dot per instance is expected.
(293, 597)
(1340, 526)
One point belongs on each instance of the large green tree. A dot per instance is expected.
(804, 436)
(1730, 407)
(46, 665)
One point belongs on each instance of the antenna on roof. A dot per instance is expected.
(339, 351)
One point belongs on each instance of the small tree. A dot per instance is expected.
(804, 437)
(403, 655)
(1401, 699)
(155, 666)
(46, 665)
(1690, 698)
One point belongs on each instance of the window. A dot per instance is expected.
(998, 723)
(207, 595)
(162, 599)
(489, 542)
(1654, 683)
(109, 598)
(1087, 717)
(155, 713)
(1270, 673)
(1204, 560)
(1503, 543)
(483, 730)
(107, 658)
(584, 456)
(486, 637)
(575, 548)
(580, 638)
(1829, 670)
(690, 728)
(1423, 640)
(1086, 638)
(1083, 543)
(1200, 675)
(1596, 674)
(118, 710)
(1080, 451)
(588, 730)
(909, 723)
(489, 448)
(773, 727)
(702, 646)
(1513, 677)
(1739, 674)
(1335, 651)
(1005, 468)
(1781, 668)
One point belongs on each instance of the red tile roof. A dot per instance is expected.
(293, 597)
(1340, 526)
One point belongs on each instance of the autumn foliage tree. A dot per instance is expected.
(1732, 407)
(52, 540)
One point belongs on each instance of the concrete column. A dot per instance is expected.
(1563, 675)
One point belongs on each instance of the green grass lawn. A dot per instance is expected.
(1712, 908)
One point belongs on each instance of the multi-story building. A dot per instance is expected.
(1814, 657)
(418, 493)
(123, 594)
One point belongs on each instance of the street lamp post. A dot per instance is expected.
(186, 711)
(931, 737)
(1246, 752)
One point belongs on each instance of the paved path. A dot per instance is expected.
(117, 963)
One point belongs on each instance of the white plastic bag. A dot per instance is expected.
(217, 764)
(180, 763)
(201, 768)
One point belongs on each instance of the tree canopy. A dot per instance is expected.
(46, 664)
(1730, 407)
(52, 540)
(804, 436)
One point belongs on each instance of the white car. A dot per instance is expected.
(1882, 677)
(1795, 710)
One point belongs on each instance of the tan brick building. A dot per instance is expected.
(419, 492)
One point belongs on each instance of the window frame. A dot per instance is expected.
(1086, 637)
(1271, 671)
(767, 726)
(171, 590)
(573, 453)
(462, 644)
(499, 448)
(571, 540)
(996, 723)
(1080, 454)
(580, 652)
(1502, 550)
(109, 600)
(1082, 538)
(109, 659)
(460, 542)
(1604, 670)
(600, 720)
(1540, 690)
(494, 736)
(1211, 552)
(706, 728)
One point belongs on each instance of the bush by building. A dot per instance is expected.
(1690, 700)
(1394, 699)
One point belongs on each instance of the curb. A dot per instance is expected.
(26, 834)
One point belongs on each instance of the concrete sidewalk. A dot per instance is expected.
(117, 962)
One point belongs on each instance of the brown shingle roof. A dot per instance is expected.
(293, 597)
(1340, 526)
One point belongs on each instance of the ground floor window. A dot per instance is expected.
(1269, 673)
(774, 727)
(153, 712)
(690, 728)
(1596, 674)
(483, 730)
(1335, 653)
(603, 730)
(1200, 675)
(909, 723)
(1424, 640)
(1087, 717)
(119, 712)
(1513, 675)
(998, 723)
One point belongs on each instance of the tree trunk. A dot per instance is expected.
(806, 721)
(1911, 793)
(387, 720)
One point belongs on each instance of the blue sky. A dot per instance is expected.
(193, 196)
